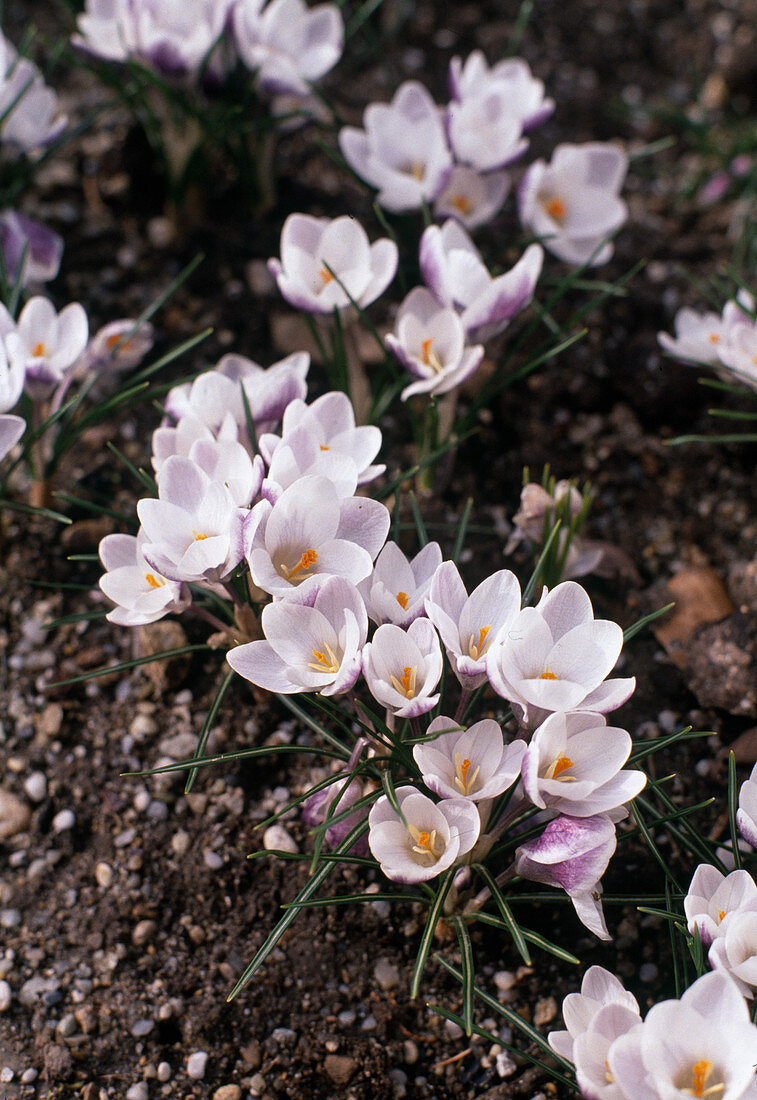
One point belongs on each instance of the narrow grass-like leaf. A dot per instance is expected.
(733, 804)
(135, 662)
(91, 506)
(388, 784)
(349, 899)
(639, 625)
(420, 526)
(507, 916)
(33, 510)
(462, 531)
(299, 712)
(636, 811)
(435, 912)
(467, 965)
(207, 725)
(141, 476)
(658, 743)
(539, 567)
(80, 617)
(230, 757)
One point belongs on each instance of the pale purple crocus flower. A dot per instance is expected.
(29, 110)
(194, 531)
(525, 93)
(396, 589)
(327, 264)
(746, 814)
(453, 270)
(332, 801)
(140, 593)
(48, 344)
(469, 625)
(313, 642)
(739, 354)
(11, 387)
(119, 346)
(402, 151)
(472, 197)
(573, 765)
(572, 854)
(470, 763)
(592, 1047)
(599, 988)
(12, 372)
(713, 898)
(402, 668)
(40, 247)
(735, 952)
(557, 656)
(698, 337)
(313, 532)
(483, 132)
(286, 44)
(432, 837)
(429, 341)
(229, 464)
(11, 429)
(572, 204)
(300, 455)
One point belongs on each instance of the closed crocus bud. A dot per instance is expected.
(432, 837)
(746, 814)
(524, 93)
(698, 336)
(335, 800)
(713, 898)
(471, 763)
(598, 988)
(403, 667)
(39, 246)
(119, 345)
(288, 45)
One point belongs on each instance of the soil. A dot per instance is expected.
(129, 909)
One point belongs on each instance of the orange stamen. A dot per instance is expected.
(560, 765)
(699, 1075)
(721, 914)
(405, 680)
(324, 447)
(308, 558)
(556, 209)
(325, 275)
(39, 350)
(153, 581)
(403, 600)
(199, 535)
(477, 650)
(426, 346)
(714, 338)
(548, 675)
(462, 203)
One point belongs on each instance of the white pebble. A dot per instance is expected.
(29, 1075)
(36, 786)
(6, 1074)
(104, 875)
(64, 820)
(196, 1065)
(212, 860)
(138, 1092)
(6, 995)
(164, 1072)
(276, 838)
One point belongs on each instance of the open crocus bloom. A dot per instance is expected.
(698, 336)
(483, 132)
(572, 203)
(525, 94)
(292, 541)
(229, 464)
(470, 763)
(473, 198)
(119, 345)
(403, 667)
(429, 341)
(12, 374)
(310, 644)
(739, 354)
(397, 587)
(714, 898)
(47, 343)
(11, 430)
(573, 765)
(457, 276)
(556, 657)
(468, 625)
(141, 594)
(325, 264)
(29, 111)
(432, 837)
(41, 248)
(746, 814)
(592, 1047)
(735, 951)
(598, 988)
(403, 149)
(288, 45)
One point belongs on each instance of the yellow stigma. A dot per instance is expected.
(403, 599)
(558, 766)
(153, 581)
(548, 674)
(700, 1074)
(309, 557)
(405, 685)
(324, 663)
(324, 447)
(429, 357)
(40, 350)
(721, 914)
(425, 843)
(714, 338)
(477, 649)
(199, 535)
(463, 781)
(556, 209)
(462, 203)
(325, 274)
(416, 169)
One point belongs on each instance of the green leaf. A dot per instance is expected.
(539, 567)
(507, 916)
(207, 725)
(466, 955)
(639, 625)
(124, 665)
(733, 803)
(462, 530)
(435, 912)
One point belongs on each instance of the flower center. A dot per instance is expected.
(721, 914)
(548, 674)
(114, 342)
(557, 767)
(416, 169)
(462, 203)
(714, 338)
(324, 447)
(700, 1075)
(556, 208)
(325, 275)
(405, 685)
(300, 570)
(429, 357)
(425, 843)
(153, 581)
(403, 599)
(40, 350)
(199, 535)
(477, 649)
(463, 781)
(322, 662)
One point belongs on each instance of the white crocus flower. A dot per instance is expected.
(288, 45)
(310, 531)
(746, 814)
(194, 531)
(483, 132)
(11, 430)
(471, 197)
(47, 343)
(701, 1046)
(301, 455)
(180, 438)
(119, 345)
(572, 203)
(331, 421)
(470, 763)
(556, 657)
(402, 151)
(397, 587)
(229, 464)
(140, 593)
(598, 988)
(429, 341)
(28, 108)
(432, 837)
(310, 645)
(592, 1047)
(573, 765)
(468, 625)
(453, 270)
(713, 899)
(12, 374)
(697, 336)
(403, 667)
(735, 951)
(525, 94)
(324, 264)
(739, 354)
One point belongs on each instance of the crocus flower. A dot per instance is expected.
(573, 765)
(12, 373)
(556, 657)
(429, 341)
(739, 354)
(432, 837)
(228, 464)
(592, 1047)
(470, 763)
(292, 540)
(483, 132)
(598, 988)
(735, 951)
(697, 336)
(119, 345)
(194, 531)
(403, 149)
(310, 644)
(300, 455)
(397, 587)
(39, 246)
(473, 198)
(47, 343)
(330, 802)
(746, 814)
(572, 854)
(714, 898)
(453, 270)
(403, 667)
(572, 203)
(288, 45)
(28, 108)
(140, 593)
(11, 430)
(326, 263)
(525, 94)
(468, 625)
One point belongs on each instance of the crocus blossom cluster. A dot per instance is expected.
(725, 341)
(704, 1044)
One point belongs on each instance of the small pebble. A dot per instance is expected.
(6, 996)
(138, 1091)
(36, 786)
(67, 1025)
(10, 918)
(410, 1052)
(141, 1028)
(143, 932)
(104, 875)
(276, 838)
(6, 1074)
(180, 842)
(164, 1072)
(63, 821)
(386, 974)
(368, 1024)
(228, 1092)
(212, 860)
(196, 1064)
(28, 1076)
(453, 1030)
